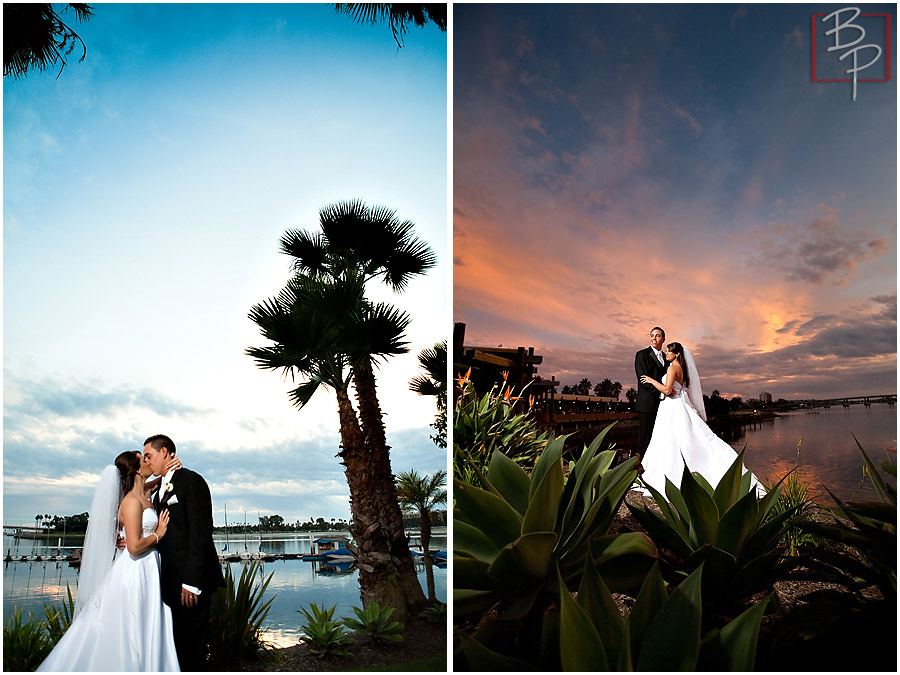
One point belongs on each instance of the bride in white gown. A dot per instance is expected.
(680, 434)
(121, 623)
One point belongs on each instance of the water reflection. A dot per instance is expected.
(295, 583)
(828, 454)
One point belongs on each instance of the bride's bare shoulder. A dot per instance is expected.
(130, 502)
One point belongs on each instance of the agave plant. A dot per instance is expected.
(729, 530)
(513, 537)
(436, 613)
(237, 614)
(322, 633)
(375, 622)
(662, 631)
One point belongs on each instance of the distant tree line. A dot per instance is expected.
(606, 388)
(52, 524)
(277, 523)
(716, 404)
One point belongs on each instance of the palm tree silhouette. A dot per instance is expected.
(35, 36)
(326, 332)
(434, 383)
(398, 15)
(422, 494)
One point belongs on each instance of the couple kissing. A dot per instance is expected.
(144, 604)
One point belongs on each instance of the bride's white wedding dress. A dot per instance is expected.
(680, 433)
(125, 626)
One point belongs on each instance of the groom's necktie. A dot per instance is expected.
(160, 492)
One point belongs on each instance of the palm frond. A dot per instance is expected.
(379, 333)
(308, 250)
(35, 36)
(425, 386)
(421, 492)
(374, 241)
(302, 394)
(434, 361)
(399, 16)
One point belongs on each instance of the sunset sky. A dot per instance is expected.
(145, 191)
(616, 167)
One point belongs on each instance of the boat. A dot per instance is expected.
(435, 555)
(339, 555)
(225, 547)
(330, 546)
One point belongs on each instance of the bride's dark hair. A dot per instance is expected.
(128, 463)
(678, 350)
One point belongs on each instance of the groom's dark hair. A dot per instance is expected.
(651, 330)
(160, 441)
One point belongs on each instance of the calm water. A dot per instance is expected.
(295, 583)
(828, 454)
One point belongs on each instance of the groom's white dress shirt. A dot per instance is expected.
(662, 361)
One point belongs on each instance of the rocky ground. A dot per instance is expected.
(421, 639)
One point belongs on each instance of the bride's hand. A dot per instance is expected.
(174, 463)
(163, 524)
(646, 379)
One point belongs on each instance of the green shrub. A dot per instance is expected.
(727, 529)
(482, 425)
(59, 617)
(322, 634)
(376, 623)
(847, 630)
(436, 613)
(797, 497)
(237, 614)
(25, 643)
(511, 537)
(869, 529)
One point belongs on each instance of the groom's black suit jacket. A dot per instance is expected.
(646, 363)
(187, 552)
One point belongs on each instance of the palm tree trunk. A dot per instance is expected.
(388, 505)
(425, 533)
(377, 577)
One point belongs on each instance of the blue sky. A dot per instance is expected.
(144, 194)
(617, 167)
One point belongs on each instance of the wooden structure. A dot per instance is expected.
(557, 413)
(488, 364)
(566, 413)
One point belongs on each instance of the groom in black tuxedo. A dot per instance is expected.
(189, 567)
(650, 361)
